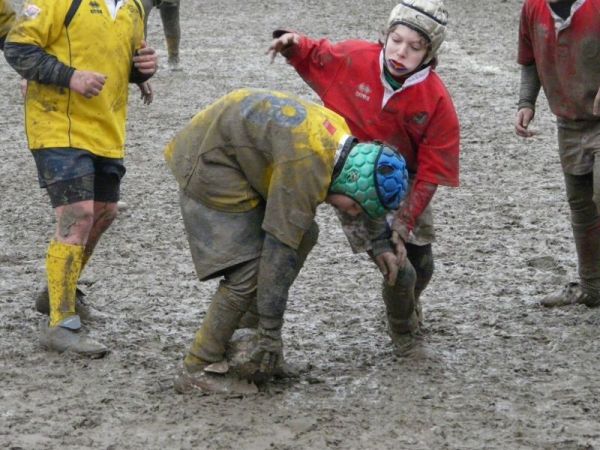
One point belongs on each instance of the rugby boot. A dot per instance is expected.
(404, 335)
(287, 371)
(570, 294)
(173, 63)
(202, 379)
(83, 310)
(68, 337)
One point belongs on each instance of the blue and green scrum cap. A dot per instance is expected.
(373, 175)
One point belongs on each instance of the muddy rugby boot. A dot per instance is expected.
(570, 294)
(173, 63)
(68, 337)
(83, 310)
(211, 379)
(404, 334)
(404, 344)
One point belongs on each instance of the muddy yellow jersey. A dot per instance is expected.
(260, 148)
(93, 41)
(7, 18)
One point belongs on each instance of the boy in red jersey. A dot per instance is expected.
(559, 45)
(389, 91)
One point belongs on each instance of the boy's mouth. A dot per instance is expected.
(396, 65)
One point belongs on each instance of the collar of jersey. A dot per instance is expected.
(388, 90)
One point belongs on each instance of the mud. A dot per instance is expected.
(496, 371)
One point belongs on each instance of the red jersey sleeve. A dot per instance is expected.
(438, 153)
(525, 55)
(317, 62)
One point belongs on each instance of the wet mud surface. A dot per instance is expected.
(495, 370)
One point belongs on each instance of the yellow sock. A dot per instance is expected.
(63, 266)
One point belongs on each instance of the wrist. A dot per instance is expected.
(525, 104)
(65, 75)
(401, 232)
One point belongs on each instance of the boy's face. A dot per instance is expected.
(405, 50)
(344, 204)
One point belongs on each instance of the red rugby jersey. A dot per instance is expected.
(419, 120)
(568, 62)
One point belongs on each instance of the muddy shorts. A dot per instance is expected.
(578, 145)
(424, 231)
(220, 240)
(72, 175)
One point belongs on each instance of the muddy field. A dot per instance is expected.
(496, 371)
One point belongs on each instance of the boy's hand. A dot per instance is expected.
(145, 60)
(282, 43)
(522, 121)
(88, 84)
(388, 265)
(269, 350)
(23, 87)
(146, 91)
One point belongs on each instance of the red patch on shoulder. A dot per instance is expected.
(329, 127)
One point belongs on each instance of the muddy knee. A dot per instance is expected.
(399, 299)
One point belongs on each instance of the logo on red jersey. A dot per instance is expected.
(363, 91)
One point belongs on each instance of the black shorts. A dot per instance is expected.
(72, 175)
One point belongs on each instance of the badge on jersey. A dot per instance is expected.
(31, 11)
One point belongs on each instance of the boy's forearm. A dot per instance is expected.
(406, 217)
(277, 271)
(529, 87)
(33, 63)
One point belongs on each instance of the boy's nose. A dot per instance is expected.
(401, 50)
